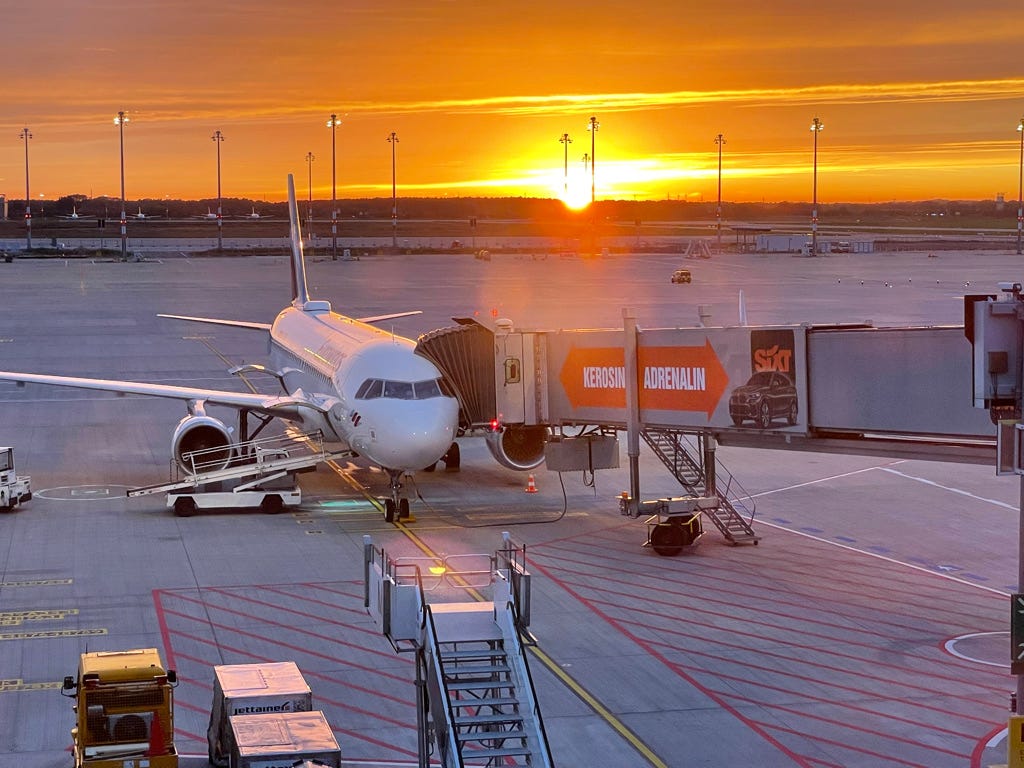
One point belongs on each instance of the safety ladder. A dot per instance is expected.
(475, 694)
(731, 516)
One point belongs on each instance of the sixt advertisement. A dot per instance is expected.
(749, 378)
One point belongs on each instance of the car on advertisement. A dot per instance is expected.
(766, 396)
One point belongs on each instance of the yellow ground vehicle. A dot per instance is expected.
(124, 705)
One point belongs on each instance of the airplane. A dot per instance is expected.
(252, 215)
(358, 384)
(208, 215)
(75, 215)
(141, 215)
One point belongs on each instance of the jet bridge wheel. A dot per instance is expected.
(669, 538)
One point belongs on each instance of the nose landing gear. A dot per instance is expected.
(398, 505)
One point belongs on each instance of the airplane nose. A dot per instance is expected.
(418, 437)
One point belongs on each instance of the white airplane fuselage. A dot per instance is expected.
(403, 423)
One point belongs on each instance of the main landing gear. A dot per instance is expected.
(398, 505)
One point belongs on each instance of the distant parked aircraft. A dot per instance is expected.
(253, 215)
(75, 215)
(141, 215)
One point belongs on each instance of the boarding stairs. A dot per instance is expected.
(476, 703)
(703, 477)
(252, 464)
(697, 249)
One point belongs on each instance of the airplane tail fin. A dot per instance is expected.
(300, 294)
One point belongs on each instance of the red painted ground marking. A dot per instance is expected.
(278, 624)
(289, 646)
(944, 662)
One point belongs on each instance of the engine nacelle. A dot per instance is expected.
(518, 446)
(205, 436)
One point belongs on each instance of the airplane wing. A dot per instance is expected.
(215, 321)
(267, 326)
(270, 404)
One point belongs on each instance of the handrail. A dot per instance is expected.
(730, 482)
(252, 451)
(431, 643)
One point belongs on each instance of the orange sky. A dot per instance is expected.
(919, 99)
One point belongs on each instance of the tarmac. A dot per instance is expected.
(867, 628)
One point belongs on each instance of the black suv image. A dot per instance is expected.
(766, 396)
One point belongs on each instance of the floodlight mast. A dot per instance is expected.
(26, 134)
(393, 140)
(333, 123)
(592, 126)
(719, 140)
(119, 121)
(310, 157)
(566, 141)
(219, 137)
(1020, 187)
(816, 127)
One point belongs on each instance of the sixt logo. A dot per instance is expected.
(773, 359)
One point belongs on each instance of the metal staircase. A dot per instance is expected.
(475, 695)
(700, 478)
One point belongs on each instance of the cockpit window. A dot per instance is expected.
(427, 389)
(399, 390)
(370, 389)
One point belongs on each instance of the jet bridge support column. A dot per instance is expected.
(632, 408)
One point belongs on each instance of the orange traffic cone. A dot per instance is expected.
(156, 738)
(531, 486)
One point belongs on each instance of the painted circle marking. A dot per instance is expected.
(979, 648)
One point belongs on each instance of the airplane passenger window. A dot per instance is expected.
(400, 390)
(427, 389)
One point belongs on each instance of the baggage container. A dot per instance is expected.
(283, 741)
(270, 688)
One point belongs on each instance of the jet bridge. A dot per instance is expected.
(475, 698)
(903, 392)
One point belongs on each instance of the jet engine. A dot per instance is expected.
(518, 446)
(206, 436)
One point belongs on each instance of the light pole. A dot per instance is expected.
(393, 140)
(816, 127)
(310, 157)
(333, 123)
(26, 135)
(1020, 186)
(119, 121)
(218, 137)
(719, 140)
(566, 141)
(592, 126)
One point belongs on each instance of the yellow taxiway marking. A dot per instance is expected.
(35, 583)
(48, 633)
(17, 684)
(16, 618)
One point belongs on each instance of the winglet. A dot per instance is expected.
(300, 294)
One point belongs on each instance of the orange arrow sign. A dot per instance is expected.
(595, 377)
(681, 378)
(671, 378)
